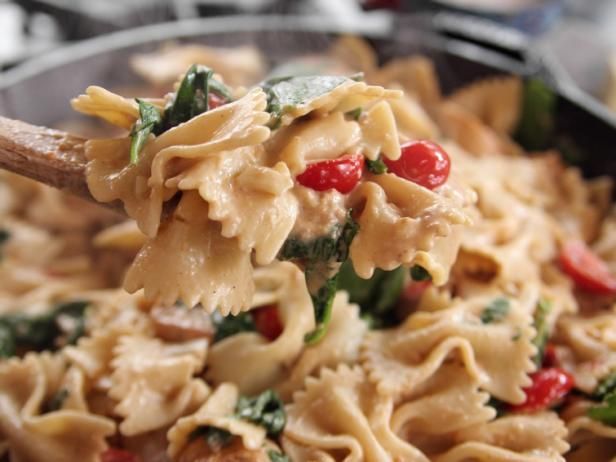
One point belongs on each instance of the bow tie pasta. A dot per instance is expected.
(318, 266)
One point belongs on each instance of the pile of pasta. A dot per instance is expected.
(147, 373)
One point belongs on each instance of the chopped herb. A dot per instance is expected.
(536, 126)
(286, 93)
(216, 438)
(42, 332)
(377, 166)
(57, 401)
(355, 114)
(149, 121)
(226, 326)
(606, 387)
(541, 326)
(317, 257)
(266, 410)
(275, 456)
(376, 296)
(606, 411)
(496, 311)
(419, 273)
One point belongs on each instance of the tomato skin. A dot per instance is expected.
(415, 289)
(588, 271)
(550, 385)
(341, 174)
(549, 356)
(119, 455)
(422, 162)
(214, 101)
(267, 321)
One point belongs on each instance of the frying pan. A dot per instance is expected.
(463, 49)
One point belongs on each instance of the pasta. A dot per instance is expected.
(306, 275)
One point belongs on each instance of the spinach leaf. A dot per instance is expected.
(496, 311)
(536, 126)
(286, 93)
(275, 456)
(419, 273)
(318, 258)
(606, 411)
(605, 387)
(266, 410)
(150, 121)
(226, 326)
(376, 296)
(42, 332)
(355, 114)
(56, 401)
(541, 326)
(377, 166)
(191, 98)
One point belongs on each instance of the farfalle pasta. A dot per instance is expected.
(317, 265)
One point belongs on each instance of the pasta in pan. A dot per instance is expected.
(316, 268)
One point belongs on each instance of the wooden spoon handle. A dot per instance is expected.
(50, 156)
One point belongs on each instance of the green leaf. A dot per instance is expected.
(322, 304)
(496, 311)
(266, 410)
(543, 331)
(606, 411)
(216, 438)
(355, 114)
(286, 93)
(605, 387)
(275, 456)
(149, 121)
(219, 89)
(418, 273)
(56, 401)
(376, 296)
(191, 98)
(536, 125)
(7, 340)
(377, 166)
(226, 326)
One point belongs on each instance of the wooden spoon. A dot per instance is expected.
(49, 156)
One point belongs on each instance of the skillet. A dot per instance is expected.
(463, 49)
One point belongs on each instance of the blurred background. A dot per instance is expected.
(578, 35)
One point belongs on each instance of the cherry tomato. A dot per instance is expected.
(415, 289)
(341, 174)
(267, 321)
(421, 162)
(214, 101)
(549, 356)
(119, 455)
(588, 271)
(550, 385)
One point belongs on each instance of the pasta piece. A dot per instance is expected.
(340, 346)
(379, 132)
(527, 438)
(144, 401)
(208, 268)
(495, 101)
(420, 225)
(355, 427)
(30, 433)
(412, 120)
(264, 363)
(115, 109)
(216, 412)
(497, 354)
(123, 236)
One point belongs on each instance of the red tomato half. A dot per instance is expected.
(119, 455)
(214, 101)
(550, 385)
(267, 321)
(588, 271)
(341, 174)
(421, 162)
